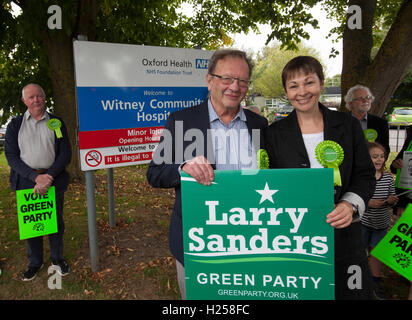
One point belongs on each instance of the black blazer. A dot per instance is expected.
(286, 149)
(382, 128)
(21, 175)
(168, 176)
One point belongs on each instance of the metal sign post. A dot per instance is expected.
(110, 193)
(91, 213)
(91, 218)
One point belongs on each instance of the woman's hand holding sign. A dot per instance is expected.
(341, 216)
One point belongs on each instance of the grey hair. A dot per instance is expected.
(32, 84)
(234, 53)
(349, 95)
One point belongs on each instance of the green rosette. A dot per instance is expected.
(330, 155)
(55, 124)
(370, 135)
(262, 159)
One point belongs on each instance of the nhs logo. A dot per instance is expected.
(202, 63)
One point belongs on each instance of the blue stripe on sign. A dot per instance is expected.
(104, 108)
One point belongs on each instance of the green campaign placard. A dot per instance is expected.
(259, 234)
(36, 213)
(395, 249)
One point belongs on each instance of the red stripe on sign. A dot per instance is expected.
(119, 137)
(131, 157)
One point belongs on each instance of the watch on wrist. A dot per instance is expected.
(355, 208)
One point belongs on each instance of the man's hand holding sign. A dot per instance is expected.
(43, 183)
(200, 169)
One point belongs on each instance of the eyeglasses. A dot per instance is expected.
(367, 98)
(226, 80)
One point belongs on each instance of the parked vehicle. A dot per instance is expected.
(401, 116)
(283, 112)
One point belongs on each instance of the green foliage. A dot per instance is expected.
(385, 14)
(333, 81)
(141, 22)
(25, 58)
(386, 11)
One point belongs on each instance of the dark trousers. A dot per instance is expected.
(35, 245)
(353, 280)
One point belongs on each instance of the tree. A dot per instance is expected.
(333, 81)
(45, 55)
(362, 27)
(402, 97)
(385, 71)
(361, 24)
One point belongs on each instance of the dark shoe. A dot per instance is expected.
(31, 273)
(61, 267)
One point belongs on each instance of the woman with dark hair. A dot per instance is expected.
(292, 143)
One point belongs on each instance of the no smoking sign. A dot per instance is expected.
(93, 158)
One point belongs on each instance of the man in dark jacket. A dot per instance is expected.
(228, 79)
(37, 156)
(358, 100)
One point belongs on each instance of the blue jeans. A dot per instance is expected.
(371, 237)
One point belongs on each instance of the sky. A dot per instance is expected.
(318, 40)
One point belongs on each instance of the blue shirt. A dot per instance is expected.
(232, 143)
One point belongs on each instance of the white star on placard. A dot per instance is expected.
(266, 194)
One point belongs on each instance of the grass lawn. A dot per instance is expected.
(134, 257)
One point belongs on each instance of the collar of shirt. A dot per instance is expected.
(36, 142)
(363, 122)
(214, 117)
(364, 118)
(232, 145)
(28, 116)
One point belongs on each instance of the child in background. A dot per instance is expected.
(375, 220)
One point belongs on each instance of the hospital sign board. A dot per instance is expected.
(126, 92)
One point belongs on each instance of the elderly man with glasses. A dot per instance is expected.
(358, 100)
(231, 137)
